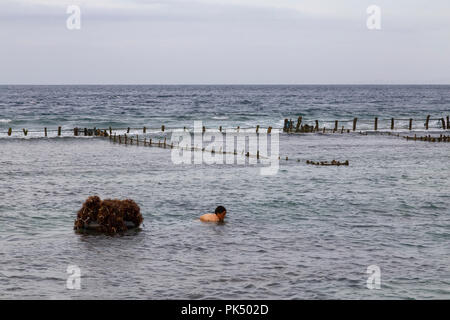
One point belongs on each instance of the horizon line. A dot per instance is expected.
(226, 84)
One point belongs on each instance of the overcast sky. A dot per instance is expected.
(224, 42)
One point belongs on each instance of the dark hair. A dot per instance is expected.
(220, 209)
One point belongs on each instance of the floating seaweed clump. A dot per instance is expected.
(326, 163)
(108, 216)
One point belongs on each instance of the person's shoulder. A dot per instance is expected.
(207, 217)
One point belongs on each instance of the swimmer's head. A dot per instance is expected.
(220, 212)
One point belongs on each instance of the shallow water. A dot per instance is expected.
(308, 232)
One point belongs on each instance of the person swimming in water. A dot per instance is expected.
(217, 216)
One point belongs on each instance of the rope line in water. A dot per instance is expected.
(165, 145)
(287, 128)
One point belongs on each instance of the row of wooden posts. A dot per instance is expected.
(129, 140)
(289, 125)
(163, 128)
(429, 138)
(25, 131)
(93, 132)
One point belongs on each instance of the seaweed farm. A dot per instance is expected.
(353, 189)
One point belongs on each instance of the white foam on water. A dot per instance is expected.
(5, 120)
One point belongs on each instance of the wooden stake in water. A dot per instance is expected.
(392, 124)
(45, 131)
(269, 130)
(128, 130)
(25, 132)
(448, 122)
(443, 123)
(317, 125)
(299, 122)
(410, 124)
(59, 131)
(376, 124)
(257, 129)
(354, 123)
(286, 124)
(427, 122)
(163, 127)
(144, 130)
(336, 125)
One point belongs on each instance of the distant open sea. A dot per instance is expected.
(305, 233)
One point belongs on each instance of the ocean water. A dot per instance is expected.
(305, 233)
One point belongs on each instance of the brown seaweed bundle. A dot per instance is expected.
(108, 216)
(88, 212)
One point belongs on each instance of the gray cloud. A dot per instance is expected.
(215, 41)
